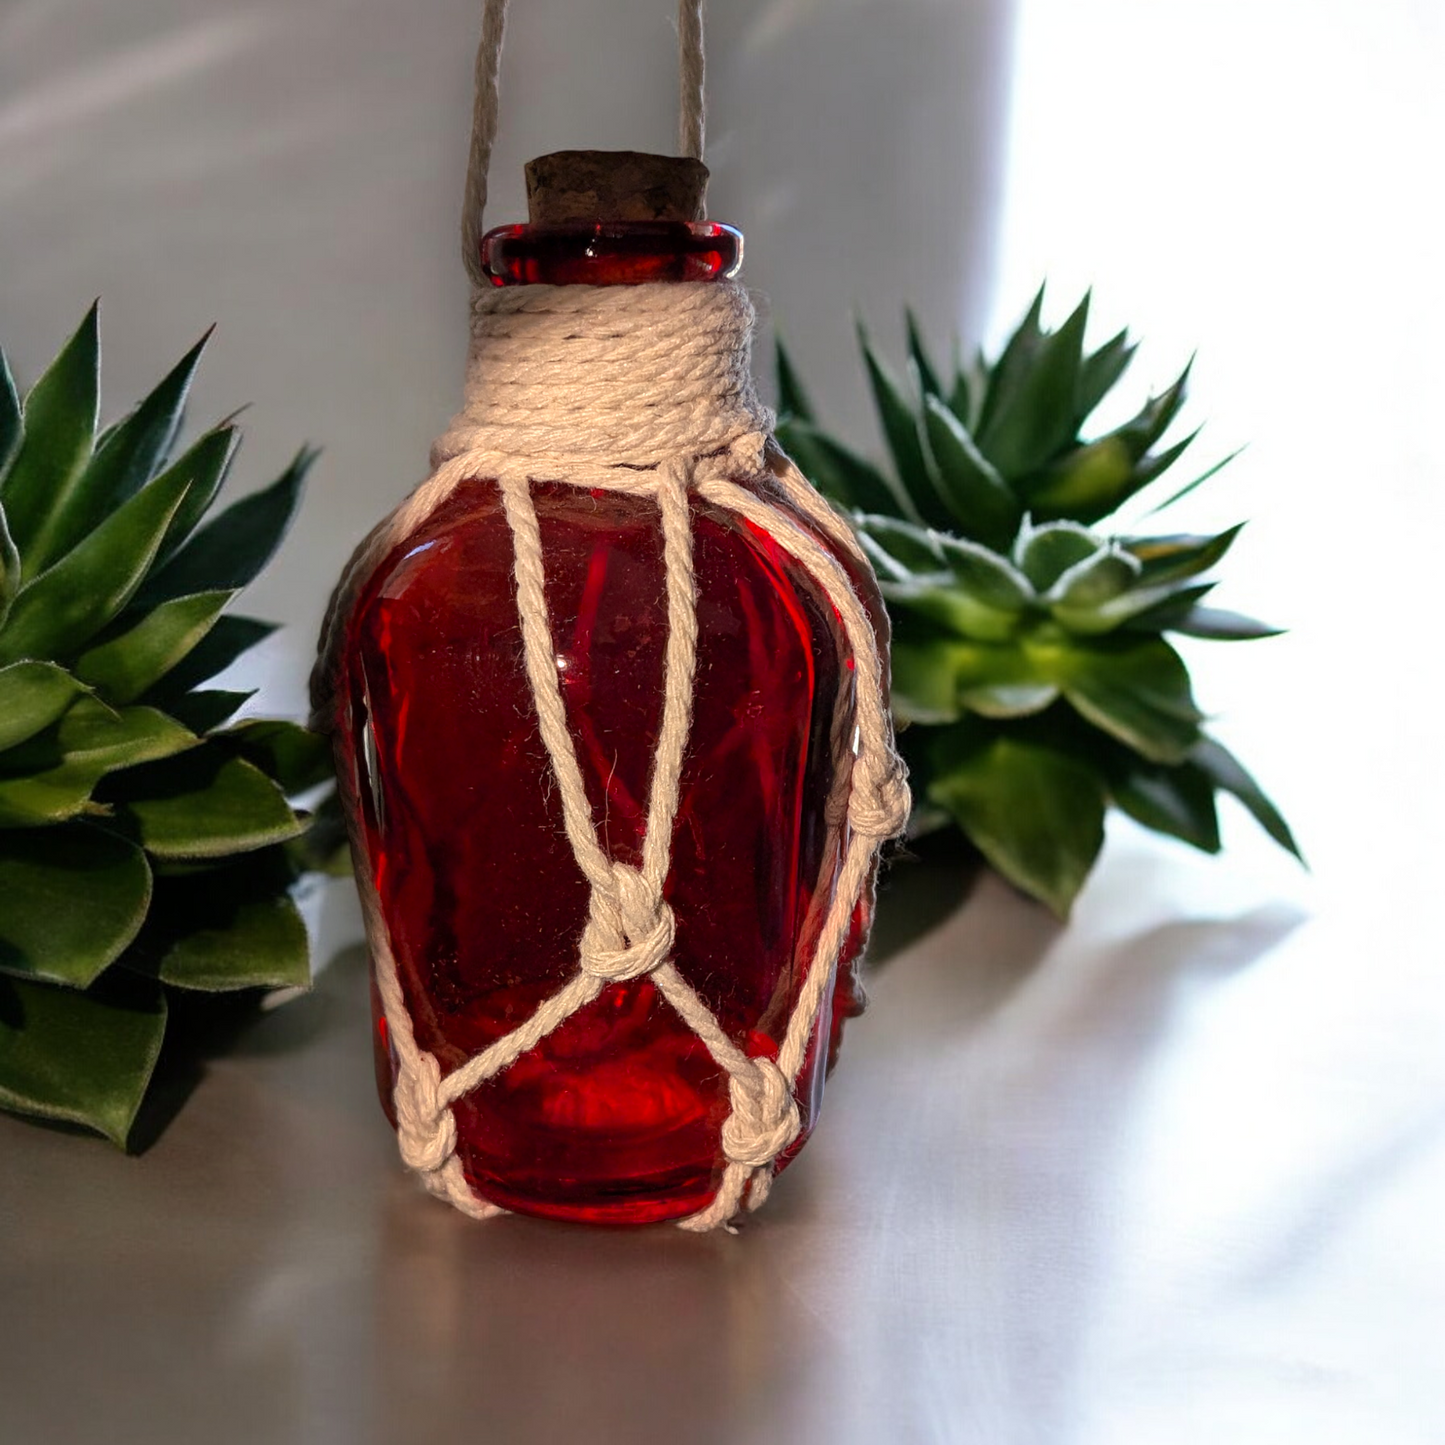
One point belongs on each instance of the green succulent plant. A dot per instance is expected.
(1033, 678)
(148, 847)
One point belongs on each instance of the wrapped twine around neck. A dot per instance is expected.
(643, 389)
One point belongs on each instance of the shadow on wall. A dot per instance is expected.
(860, 146)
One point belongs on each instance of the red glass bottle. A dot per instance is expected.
(615, 1116)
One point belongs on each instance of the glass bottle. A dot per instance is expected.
(615, 1116)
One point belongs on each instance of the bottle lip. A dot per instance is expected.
(611, 253)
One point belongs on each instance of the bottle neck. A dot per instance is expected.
(611, 253)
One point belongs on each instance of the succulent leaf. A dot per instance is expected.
(1035, 813)
(204, 804)
(1044, 554)
(85, 1057)
(9, 568)
(793, 404)
(58, 611)
(1178, 801)
(1138, 692)
(226, 640)
(229, 551)
(1100, 373)
(982, 505)
(226, 927)
(840, 475)
(1226, 772)
(923, 368)
(901, 431)
(59, 418)
(10, 422)
(127, 662)
(205, 464)
(1037, 414)
(207, 709)
(915, 548)
(60, 769)
(32, 696)
(72, 900)
(1171, 559)
(125, 458)
(1218, 624)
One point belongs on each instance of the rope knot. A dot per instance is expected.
(880, 801)
(425, 1128)
(629, 927)
(764, 1118)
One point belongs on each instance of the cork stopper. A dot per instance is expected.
(568, 187)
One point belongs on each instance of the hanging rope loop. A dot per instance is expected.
(629, 927)
(691, 115)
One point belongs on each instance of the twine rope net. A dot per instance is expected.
(645, 390)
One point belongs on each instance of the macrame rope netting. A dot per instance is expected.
(645, 390)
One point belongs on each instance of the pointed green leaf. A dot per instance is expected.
(32, 696)
(58, 612)
(1035, 813)
(1176, 800)
(842, 475)
(1199, 481)
(1085, 485)
(1159, 609)
(125, 664)
(9, 568)
(981, 503)
(52, 776)
(260, 944)
(204, 804)
(918, 354)
(83, 1057)
(294, 756)
(1100, 372)
(1045, 553)
(1089, 584)
(949, 607)
(1008, 373)
(936, 679)
(985, 575)
(905, 445)
(325, 846)
(1171, 559)
(226, 927)
(1228, 773)
(915, 547)
(1220, 625)
(229, 638)
(10, 423)
(233, 547)
(127, 458)
(72, 899)
(206, 464)
(793, 403)
(1138, 692)
(1035, 417)
(59, 429)
(204, 711)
